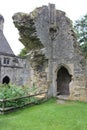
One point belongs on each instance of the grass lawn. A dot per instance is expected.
(47, 116)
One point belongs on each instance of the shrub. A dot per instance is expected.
(9, 91)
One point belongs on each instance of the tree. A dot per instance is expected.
(23, 53)
(81, 31)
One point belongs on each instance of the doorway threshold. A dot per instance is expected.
(63, 97)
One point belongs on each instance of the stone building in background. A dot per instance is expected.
(66, 67)
(13, 69)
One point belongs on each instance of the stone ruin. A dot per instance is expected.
(56, 59)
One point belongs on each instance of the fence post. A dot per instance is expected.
(3, 106)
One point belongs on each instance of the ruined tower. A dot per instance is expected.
(1, 22)
(66, 63)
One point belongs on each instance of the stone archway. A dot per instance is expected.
(63, 80)
(6, 80)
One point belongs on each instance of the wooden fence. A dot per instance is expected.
(16, 103)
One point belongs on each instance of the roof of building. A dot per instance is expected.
(4, 45)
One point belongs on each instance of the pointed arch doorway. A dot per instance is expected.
(6, 80)
(63, 81)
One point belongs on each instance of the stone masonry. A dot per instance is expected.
(66, 69)
(13, 69)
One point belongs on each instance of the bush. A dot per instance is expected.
(8, 91)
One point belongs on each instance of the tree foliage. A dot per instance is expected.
(23, 53)
(81, 30)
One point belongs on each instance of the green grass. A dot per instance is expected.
(47, 116)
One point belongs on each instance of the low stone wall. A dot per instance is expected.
(78, 93)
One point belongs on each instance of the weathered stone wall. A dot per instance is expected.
(17, 70)
(63, 49)
(55, 32)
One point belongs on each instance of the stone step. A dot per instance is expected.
(63, 97)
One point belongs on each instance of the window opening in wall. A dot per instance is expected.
(0, 61)
(6, 61)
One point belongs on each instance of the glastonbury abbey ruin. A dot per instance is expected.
(53, 52)
(48, 34)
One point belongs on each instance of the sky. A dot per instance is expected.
(74, 9)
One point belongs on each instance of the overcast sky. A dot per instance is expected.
(74, 10)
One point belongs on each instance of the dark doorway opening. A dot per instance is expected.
(63, 80)
(6, 80)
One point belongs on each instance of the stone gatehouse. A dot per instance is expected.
(13, 69)
(66, 69)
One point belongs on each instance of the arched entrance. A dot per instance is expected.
(6, 80)
(63, 80)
